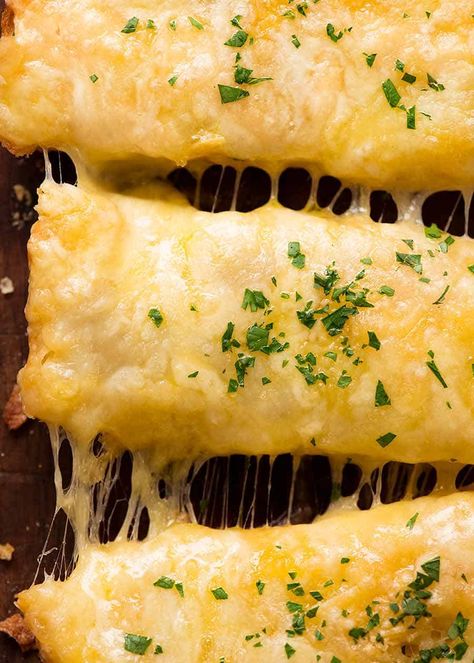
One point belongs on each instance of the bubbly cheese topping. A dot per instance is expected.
(187, 333)
(380, 92)
(354, 587)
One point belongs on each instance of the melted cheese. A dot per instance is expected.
(111, 591)
(99, 365)
(324, 105)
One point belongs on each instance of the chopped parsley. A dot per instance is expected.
(237, 40)
(219, 594)
(294, 252)
(433, 232)
(435, 370)
(408, 78)
(335, 321)
(296, 43)
(411, 522)
(164, 582)
(244, 76)
(173, 80)
(386, 290)
(241, 365)
(344, 380)
(328, 280)
(440, 299)
(370, 58)
(458, 627)
(195, 23)
(158, 650)
(193, 375)
(445, 244)
(385, 440)
(233, 386)
(433, 83)
(227, 342)
(331, 33)
(391, 93)
(155, 315)
(289, 651)
(131, 26)
(411, 117)
(94, 78)
(412, 260)
(257, 336)
(381, 396)
(136, 644)
(260, 586)
(254, 299)
(306, 316)
(373, 340)
(229, 93)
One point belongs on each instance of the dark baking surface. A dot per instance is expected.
(26, 472)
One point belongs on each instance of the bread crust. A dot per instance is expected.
(7, 21)
(16, 628)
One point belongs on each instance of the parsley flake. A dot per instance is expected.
(289, 651)
(164, 582)
(294, 252)
(373, 340)
(195, 23)
(344, 380)
(131, 26)
(220, 594)
(335, 321)
(254, 299)
(296, 43)
(136, 644)
(435, 370)
(386, 290)
(440, 299)
(331, 33)
(391, 93)
(370, 58)
(237, 40)
(411, 522)
(381, 396)
(385, 440)
(227, 342)
(412, 260)
(155, 315)
(230, 94)
(260, 586)
(433, 83)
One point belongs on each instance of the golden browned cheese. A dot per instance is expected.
(347, 571)
(374, 359)
(71, 78)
